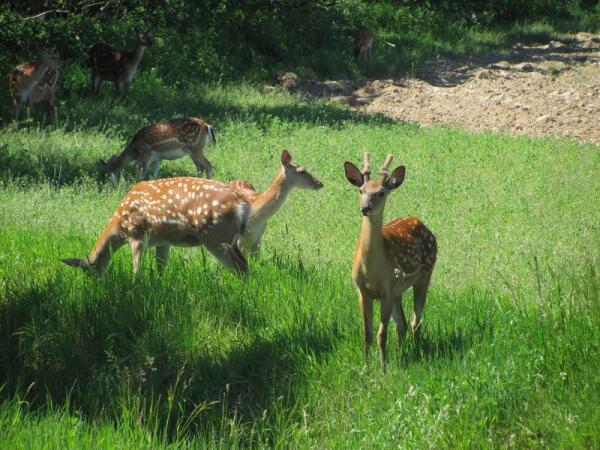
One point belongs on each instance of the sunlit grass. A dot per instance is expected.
(200, 358)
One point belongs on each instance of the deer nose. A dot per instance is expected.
(365, 209)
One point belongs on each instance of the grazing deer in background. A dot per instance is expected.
(34, 82)
(389, 259)
(363, 42)
(171, 139)
(265, 204)
(108, 63)
(184, 212)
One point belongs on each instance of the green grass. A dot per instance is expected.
(199, 358)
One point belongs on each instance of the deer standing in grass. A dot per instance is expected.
(34, 82)
(265, 204)
(390, 258)
(183, 212)
(171, 139)
(363, 42)
(108, 63)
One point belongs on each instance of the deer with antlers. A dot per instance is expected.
(169, 140)
(184, 212)
(390, 258)
(34, 82)
(108, 63)
(263, 205)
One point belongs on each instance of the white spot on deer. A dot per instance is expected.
(215, 203)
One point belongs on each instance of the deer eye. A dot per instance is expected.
(381, 194)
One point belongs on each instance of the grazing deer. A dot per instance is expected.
(184, 212)
(34, 82)
(171, 139)
(389, 259)
(265, 204)
(108, 63)
(363, 42)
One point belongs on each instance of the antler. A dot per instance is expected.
(384, 169)
(366, 169)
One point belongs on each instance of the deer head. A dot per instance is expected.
(49, 59)
(297, 175)
(373, 193)
(145, 38)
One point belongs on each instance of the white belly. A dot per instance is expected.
(167, 154)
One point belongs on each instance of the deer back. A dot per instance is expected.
(184, 211)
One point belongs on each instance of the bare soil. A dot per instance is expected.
(541, 90)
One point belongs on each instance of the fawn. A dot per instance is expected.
(109, 63)
(390, 258)
(171, 139)
(265, 204)
(184, 212)
(33, 82)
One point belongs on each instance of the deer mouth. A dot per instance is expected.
(317, 185)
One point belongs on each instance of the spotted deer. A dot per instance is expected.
(363, 42)
(169, 140)
(390, 258)
(34, 82)
(183, 212)
(265, 204)
(118, 66)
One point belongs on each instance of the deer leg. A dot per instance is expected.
(155, 166)
(399, 318)
(51, 104)
(96, 83)
(16, 110)
(200, 161)
(365, 302)
(386, 314)
(230, 256)
(137, 251)
(420, 293)
(162, 257)
(142, 169)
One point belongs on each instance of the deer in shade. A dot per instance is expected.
(389, 259)
(171, 139)
(183, 212)
(265, 204)
(34, 82)
(118, 66)
(363, 42)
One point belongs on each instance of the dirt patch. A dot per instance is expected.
(551, 89)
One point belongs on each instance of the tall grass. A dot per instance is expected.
(200, 358)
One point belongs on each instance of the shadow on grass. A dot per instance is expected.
(123, 340)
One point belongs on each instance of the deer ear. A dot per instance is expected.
(353, 174)
(396, 178)
(286, 158)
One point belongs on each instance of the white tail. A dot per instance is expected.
(183, 212)
(34, 82)
(265, 204)
(171, 139)
(118, 66)
(389, 259)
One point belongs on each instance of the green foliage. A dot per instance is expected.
(226, 40)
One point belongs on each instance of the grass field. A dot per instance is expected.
(199, 358)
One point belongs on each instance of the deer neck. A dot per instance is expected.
(27, 85)
(136, 56)
(371, 239)
(267, 203)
